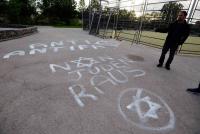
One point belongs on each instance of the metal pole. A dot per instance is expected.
(89, 13)
(105, 31)
(192, 9)
(97, 29)
(197, 2)
(100, 14)
(141, 23)
(116, 22)
(82, 20)
(90, 30)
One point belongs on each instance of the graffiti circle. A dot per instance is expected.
(145, 110)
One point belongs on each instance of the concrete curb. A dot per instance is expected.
(13, 34)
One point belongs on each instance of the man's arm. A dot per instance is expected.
(185, 36)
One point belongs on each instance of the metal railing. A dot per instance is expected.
(143, 23)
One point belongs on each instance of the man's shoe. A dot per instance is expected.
(167, 67)
(159, 65)
(194, 90)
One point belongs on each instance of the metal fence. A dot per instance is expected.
(143, 22)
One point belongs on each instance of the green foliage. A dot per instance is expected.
(58, 10)
(3, 10)
(51, 11)
(14, 11)
(75, 22)
(41, 20)
(82, 5)
(170, 11)
(95, 4)
(3, 7)
(126, 15)
(21, 11)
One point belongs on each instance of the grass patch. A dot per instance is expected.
(192, 44)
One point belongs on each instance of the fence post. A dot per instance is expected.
(192, 9)
(141, 23)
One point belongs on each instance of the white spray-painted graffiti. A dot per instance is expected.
(143, 109)
(104, 70)
(135, 105)
(41, 48)
(156, 116)
(81, 94)
(140, 107)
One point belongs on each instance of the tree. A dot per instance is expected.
(155, 15)
(82, 5)
(149, 17)
(170, 11)
(21, 11)
(3, 10)
(126, 15)
(95, 4)
(3, 6)
(132, 15)
(58, 10)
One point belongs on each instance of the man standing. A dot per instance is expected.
(177, 34)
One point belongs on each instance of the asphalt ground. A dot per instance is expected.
(64, 81)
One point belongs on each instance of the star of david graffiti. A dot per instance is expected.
(84, 62)
(157, 115)
(135, 106)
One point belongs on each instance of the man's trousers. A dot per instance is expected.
(168, 46)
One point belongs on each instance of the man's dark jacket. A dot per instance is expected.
(177, 33)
